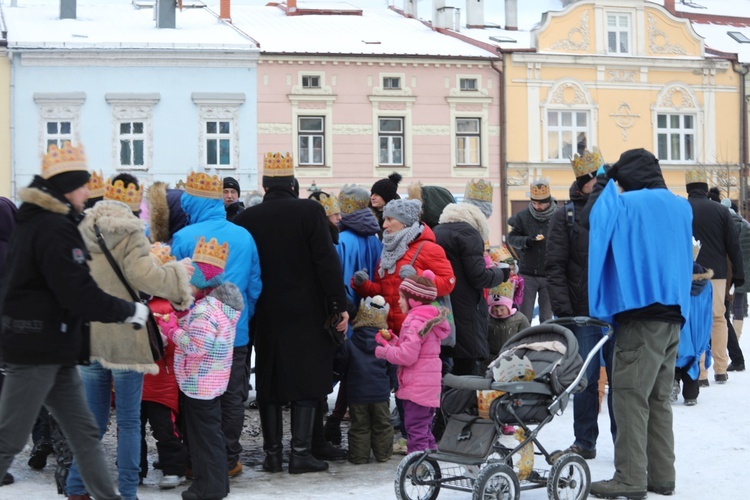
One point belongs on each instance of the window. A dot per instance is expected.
(618, 33)
(467, 141)
(58, 132)
(468, 84)
(310, 82)
(567, 133)
(132, 141)
(311, 140)
(391, 82)
(218, 143)
(391, 141)
(676, 137)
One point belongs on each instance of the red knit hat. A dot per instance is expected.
(420, 289)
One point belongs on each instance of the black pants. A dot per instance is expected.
(232, 404)
(41, 427)
(733, 345)
(172, 453)
(690, 387)
(207, 448)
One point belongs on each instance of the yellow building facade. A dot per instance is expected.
(618, 75)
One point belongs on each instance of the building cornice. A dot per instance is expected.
(671, 63)
(139, 57)
(379, 60)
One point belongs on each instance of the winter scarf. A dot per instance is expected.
(361, 222)
(395, 246)
(544, 214)
(468, 213)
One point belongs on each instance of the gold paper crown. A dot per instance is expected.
(330, 203)
(349, 203)
(96, 185)
(278, 165)
(500, 254)
(130, 195)
(371, 315)
(204, 186)
(211, 253)
(69, 158)
(506, 289)
(588, 163)
(696, 175)
(480, 190)
(540, 190)
(161, 253)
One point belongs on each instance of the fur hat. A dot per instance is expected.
(387, 188)
(404, 211)
(231, 183)
(353, 198)
(419, 290)
(500, 300)
(373, 311)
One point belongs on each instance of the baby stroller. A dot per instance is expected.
(472, 456)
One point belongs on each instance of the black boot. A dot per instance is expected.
(300, 459)
(271, 424)
(63, 455)
(333, 430)
(321, 448)
(38, 459)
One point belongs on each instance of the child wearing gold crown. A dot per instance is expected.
(204, 341)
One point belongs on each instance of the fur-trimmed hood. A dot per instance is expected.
(464, 212)
(115, 220)
(158, 212)
(432, 323)
(229, 294)
(39, 196)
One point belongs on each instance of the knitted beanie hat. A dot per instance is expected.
(500, 300)
(419, 290)
(387, 188)
(404, 211)
(209, 261)
(206, 275)
(231, 183)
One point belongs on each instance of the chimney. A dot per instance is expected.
(165, 14)
(437, 7)
(475, 13)
(511, 15)
(291, 7)
(225, 10)
(410, 8)
(67, 9)
(669, 5)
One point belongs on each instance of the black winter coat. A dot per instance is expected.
(47, 295)
(302, 286)
(532, 253)
(368, 379)
(743, 234)
(713, 227)
(464, 248)
(7, 225)
(567, 259)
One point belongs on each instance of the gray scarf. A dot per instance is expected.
(544, 214)
(395, 246)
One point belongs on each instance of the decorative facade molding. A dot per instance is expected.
(520, 179)
(433, 130)
(658, 41)
(63, 106)
(232, 58)
(352, 129)
(624, 119)
(129, 108)
(274, 128)
(578, 38)
(214, 113)
(558, 97)
(678, 98)
(622, 75)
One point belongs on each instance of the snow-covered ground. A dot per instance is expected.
(712, 448)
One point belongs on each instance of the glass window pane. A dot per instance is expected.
(689, 155)
(662, 146)
(688, 121)
(383, 154)
(552, 120)
(311, 124)
(138, 153)
(390, 125)
(567, 118)
(211, 152)
(611, 21)
(581, 119)
(65, 127)
(466, 125)
(317, 149)
(224, 152)
(51, 142)
(138, 128)
(612, 41)
(304, 156)
(474, 150)
(581, 142)
(661, 121)
(223, 127)
(211, 127)
(124, 152)
(675, 146)
(52, 127)
(125, 128)
(398, 150)
(567, 146)
(623, 43)
(674, 121)
(554, 147)
(460, 150)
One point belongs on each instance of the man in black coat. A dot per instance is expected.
(567, 270)
(713, 227)
(231, 196)
(303, 286)
(47, 299)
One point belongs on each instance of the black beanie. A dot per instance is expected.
(387, 188)
(231, 183)
(69, 181)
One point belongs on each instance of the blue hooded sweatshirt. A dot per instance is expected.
(207, 217)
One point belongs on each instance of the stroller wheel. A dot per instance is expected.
(417, 479)
(497, 481)
(569, 478)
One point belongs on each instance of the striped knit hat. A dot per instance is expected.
(419, 290)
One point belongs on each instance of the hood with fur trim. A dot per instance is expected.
(465, 212)
(114, 218)
(227, 293)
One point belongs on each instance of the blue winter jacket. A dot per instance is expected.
(207, 218)
(368, 379)
(358, 247)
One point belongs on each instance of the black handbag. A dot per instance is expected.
(154, 336)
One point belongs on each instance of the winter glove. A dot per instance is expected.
(139, 317)
(168, 326)
(505, 268)
(407, 271)
(380, 352)
(488, 261)
(380, 340)
(360, 277)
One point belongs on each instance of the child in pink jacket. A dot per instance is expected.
(416, 352)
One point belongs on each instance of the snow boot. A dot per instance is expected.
(272, 427)
(333, 430)
(301, 459)
(321, 448)
(38, 459)
(63, 455)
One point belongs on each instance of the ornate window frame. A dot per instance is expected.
(128, 108)
(317, 102)
(224, 107)
(62, 106)
(687, 103)
(395, 103)
(559, 100)
(470, 104)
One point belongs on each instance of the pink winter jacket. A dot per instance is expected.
(417, 354)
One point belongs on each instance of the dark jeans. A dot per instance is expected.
(172, 453)
(733, 345)
(232, 407)
(586, 402)
(690, 387)
(207, 448)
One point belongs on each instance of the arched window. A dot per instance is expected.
(568, 118)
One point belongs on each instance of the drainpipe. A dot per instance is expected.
(742, 70)
(503, 181)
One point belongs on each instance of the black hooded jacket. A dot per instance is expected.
(368, 379)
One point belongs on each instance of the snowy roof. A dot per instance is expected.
(108, 24)
(375, 32)
(718, 38)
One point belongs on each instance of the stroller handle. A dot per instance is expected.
(582, 321)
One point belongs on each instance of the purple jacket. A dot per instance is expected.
(417, 354)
